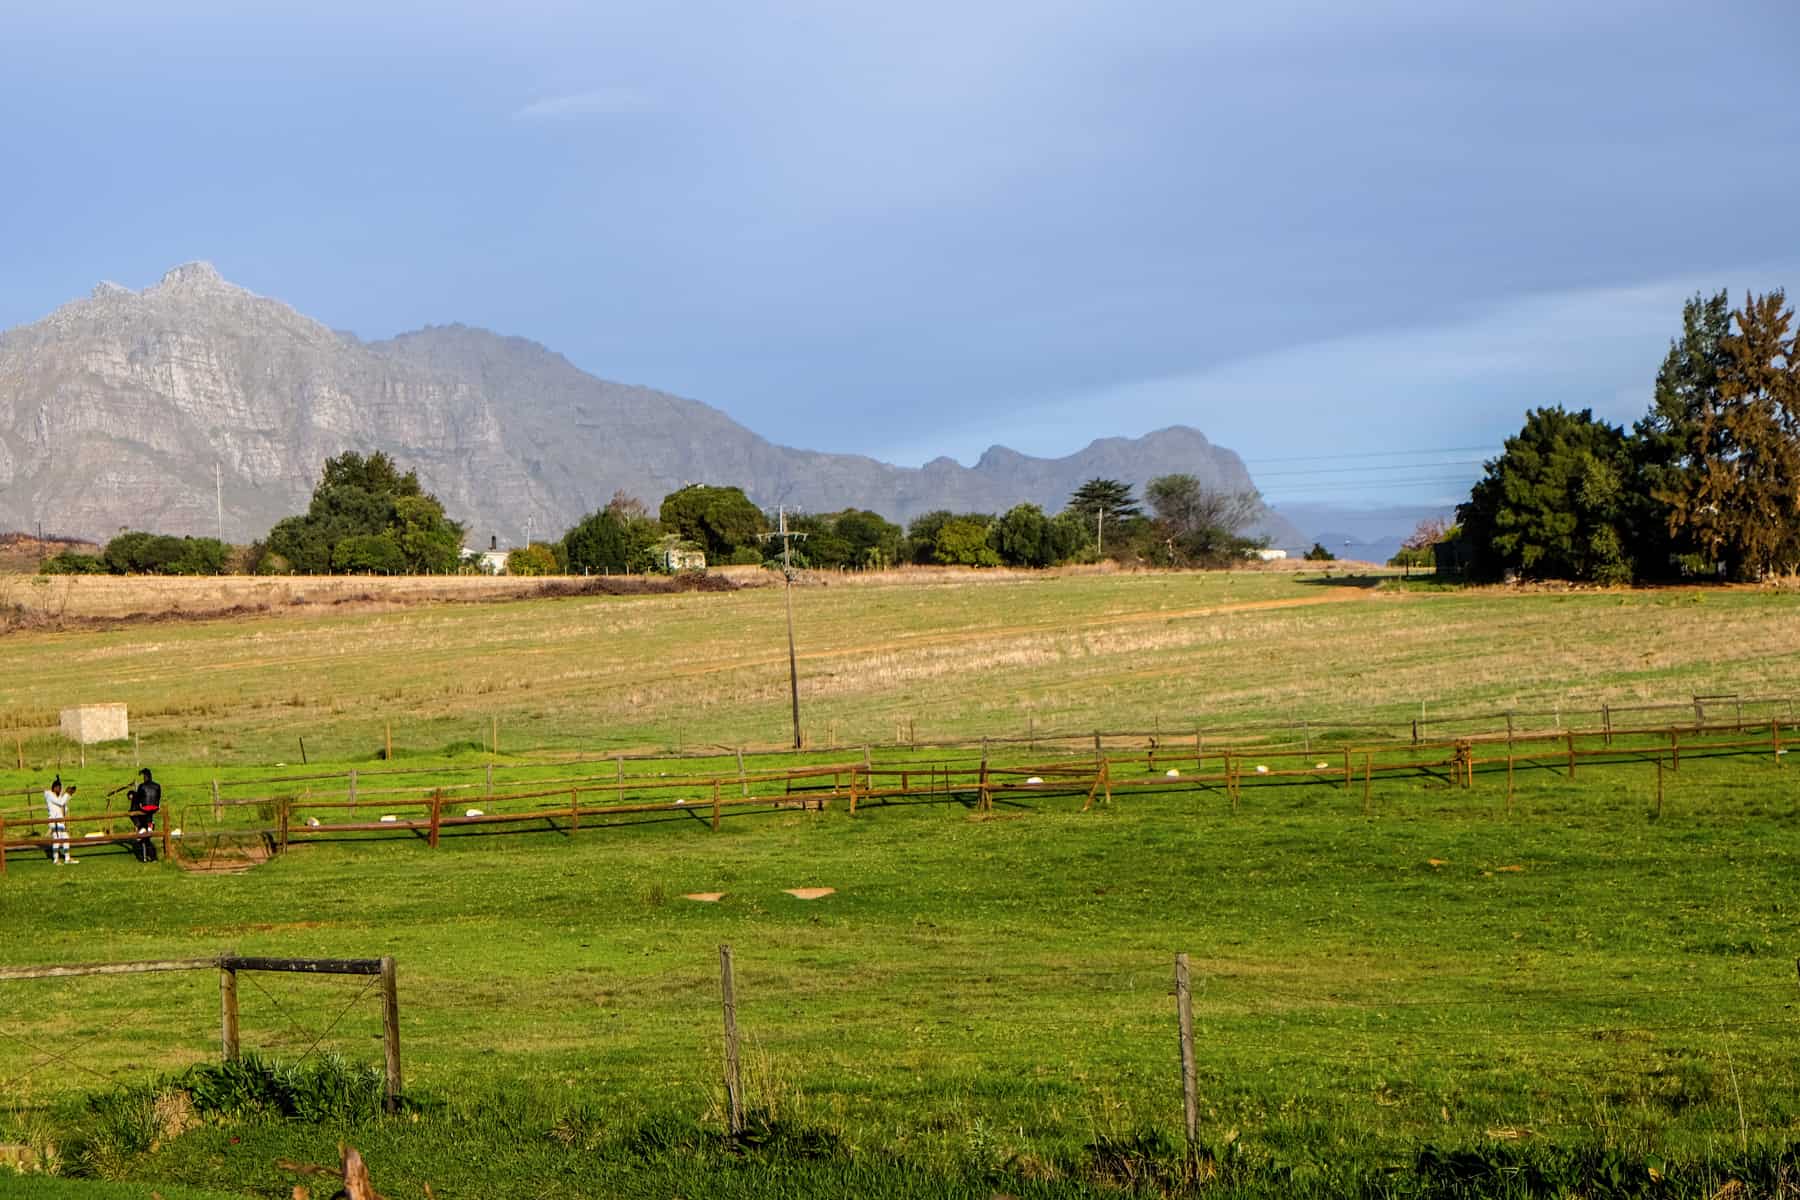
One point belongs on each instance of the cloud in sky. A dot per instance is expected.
(1304, 227)
(1403, 414)
(607, 101)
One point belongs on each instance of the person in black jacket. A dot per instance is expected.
(146, 802)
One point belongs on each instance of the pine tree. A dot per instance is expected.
(1666, 440)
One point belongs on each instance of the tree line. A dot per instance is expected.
(1706, 483)
(366, 516)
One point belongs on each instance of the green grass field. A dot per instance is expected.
(985, 1004)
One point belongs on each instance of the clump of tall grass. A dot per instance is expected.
(326, 1089)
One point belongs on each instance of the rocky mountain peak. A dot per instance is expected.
(193, 276)
(116, 410)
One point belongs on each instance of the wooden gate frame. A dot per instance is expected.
(228, 965)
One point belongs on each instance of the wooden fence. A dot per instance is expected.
(1103, 768)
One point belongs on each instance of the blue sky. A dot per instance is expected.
(1314, 230)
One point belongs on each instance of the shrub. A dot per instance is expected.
(535, 559)
(71, 563)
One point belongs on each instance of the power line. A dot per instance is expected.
(1376, 454)
(1459, 482)
(1462, 462)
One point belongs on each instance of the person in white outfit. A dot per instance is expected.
(56, 806)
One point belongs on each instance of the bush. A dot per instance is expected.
(535, 559)
(368, 554)
(138, 553)
(71, 563)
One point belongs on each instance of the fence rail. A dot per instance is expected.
(1097, 772)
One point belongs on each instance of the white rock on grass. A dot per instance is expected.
(1172, 773)
(1034, 779)
(1261, 770)
(473, 812)
(390, 817)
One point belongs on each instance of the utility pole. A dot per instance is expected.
(787, 571)
(1099, 533)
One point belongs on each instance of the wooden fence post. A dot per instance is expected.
(1184, 1014)
(437, 815)
(1199, 751)
(984, 801)
(389, 755)
(352, 789)
(574, 810)
(743, 780)
(1368, 774)
(734, 1095)
(217, 810)
(716, 805)
(1606, 721)
(1775, 738)
(620, 762)
(228, 1013)
(1674, 749)
(390, 1030)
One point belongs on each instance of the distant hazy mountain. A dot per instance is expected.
(1370, 534)
(114, 411)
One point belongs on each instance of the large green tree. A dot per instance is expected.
(720, 519)
(1023, 537)
(1735, 492)
(963, 541)
(1668, 442)
(1554, 503)
(363, 498)
(598, 543)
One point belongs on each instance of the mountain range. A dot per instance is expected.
(196, 406)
